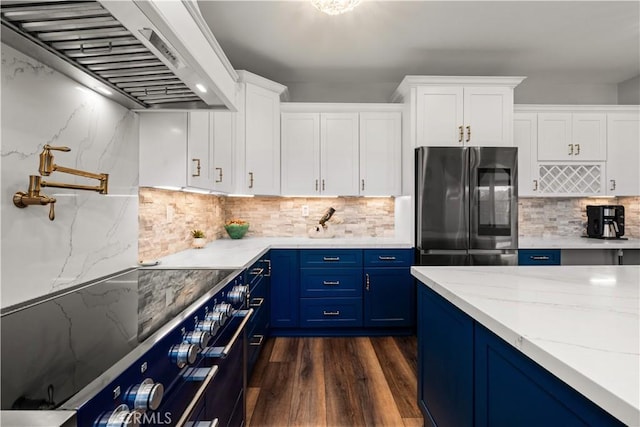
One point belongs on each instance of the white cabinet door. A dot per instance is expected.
(380, 145)
(488, 116)
(623, 154)
(223, 131)
(262, 141)
(525, 136)
(589, 137)
(300, 154)
(439, 114)
(554, 137)
(163, 150)
(199, 151)
(339, 154)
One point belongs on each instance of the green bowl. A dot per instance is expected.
(236, 231)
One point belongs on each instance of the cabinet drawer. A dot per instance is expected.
(322, 282)
(330, 258)
(539, 257)
(388, 257)
(330, 312)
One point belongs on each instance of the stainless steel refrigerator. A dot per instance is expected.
(466, 205)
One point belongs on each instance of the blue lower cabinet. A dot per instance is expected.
(285, 288)
(335, 282)
(330, 312)
(512, 390)
(538, 256)
(445, 362)
(388, 297)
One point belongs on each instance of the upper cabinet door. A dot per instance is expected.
(439, 113)
(525, 137)
(380, 145)
(554, 137)
(199, 151)
(623, 152)
(339, 154)
(262, 141)
(300, 154)
(488, 116)
(589, 136)
(223, 131)
(163, 149)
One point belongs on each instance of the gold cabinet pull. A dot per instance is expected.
(613, 184)
(468, 133)
(316, 185)
(323, 185)
(460, 134)
(577, 149)
(250, 179)
(197, 167)
(535, 185)
(363, 185)
(368, 283)
(571, 149)
(219, 179)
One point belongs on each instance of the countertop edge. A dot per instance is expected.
(610, 402)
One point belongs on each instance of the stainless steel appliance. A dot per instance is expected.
(605, 221)
(466, 205)
(145, 346)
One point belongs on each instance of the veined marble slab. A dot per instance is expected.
(581, 323)
(229, 253)
(576, 243)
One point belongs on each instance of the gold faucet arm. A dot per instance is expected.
(46, 159)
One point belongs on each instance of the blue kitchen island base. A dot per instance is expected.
(469, 376)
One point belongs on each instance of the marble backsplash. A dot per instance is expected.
(93, 235)
(558, 217)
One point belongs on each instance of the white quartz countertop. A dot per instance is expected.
(581, 323)
(229, 253)
(576, 243)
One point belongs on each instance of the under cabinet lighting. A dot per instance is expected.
(201, 88)
(167, 187)
(194, 190)
(240, 195)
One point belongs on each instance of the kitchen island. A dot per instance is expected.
(580, 324)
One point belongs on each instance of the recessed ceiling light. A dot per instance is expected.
(103, 90)
(201, 88)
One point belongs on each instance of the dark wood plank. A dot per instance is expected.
(285, 349)
(252, 399)
(408, 345)
(261, 364)
(308, 407)
(399, 375)
(274, 401)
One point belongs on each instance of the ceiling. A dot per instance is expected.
(576, 42)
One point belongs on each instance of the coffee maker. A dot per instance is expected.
(605, 221)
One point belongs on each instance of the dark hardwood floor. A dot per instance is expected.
(351, 381)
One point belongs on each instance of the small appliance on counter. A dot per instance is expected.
(605, 221)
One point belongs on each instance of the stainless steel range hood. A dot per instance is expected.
(130, 48)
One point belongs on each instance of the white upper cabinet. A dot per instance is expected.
(341, 149)
(623, 154)
(300, 154)
(525, 137)
(579, 137)
(488, 116)
(258, 130)
(223, 131)
(380, 145)
(339, 139)
(163, 150)
(440, 116)
(199, 150)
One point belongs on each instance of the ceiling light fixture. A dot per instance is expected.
(335, 7)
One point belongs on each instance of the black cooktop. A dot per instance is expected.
(52, 348)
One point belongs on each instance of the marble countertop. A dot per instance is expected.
(575, 243)
(234, 254)
(581, 323)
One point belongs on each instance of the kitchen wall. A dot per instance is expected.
(93, 235)
(559, 217)
(629, 91)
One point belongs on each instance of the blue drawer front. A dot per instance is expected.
(330, 312)
(322, 282)
(330, 258)
(388, 257)
(539, 257)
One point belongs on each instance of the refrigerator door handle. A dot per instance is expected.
(444, 252)
(492, 251)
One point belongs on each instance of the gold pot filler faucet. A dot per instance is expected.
(33, 196)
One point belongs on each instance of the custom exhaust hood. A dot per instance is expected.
(140, 53)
